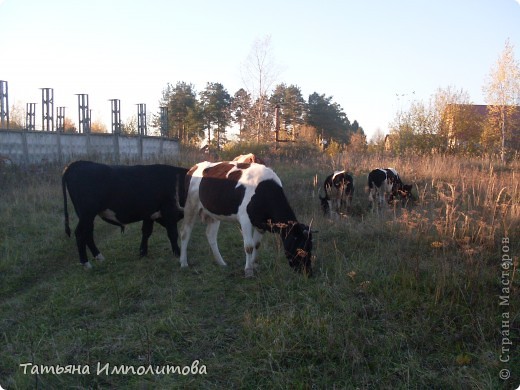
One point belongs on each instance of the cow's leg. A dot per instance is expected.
(342, 198)
(170, 217)
(371, 194)
(388, 189)
(173, 236)
(83, 231)
(252, 239)
(382, 194)
(146, 230)
(187, 227)
(257, 239)
(211, 234)
(92, 246)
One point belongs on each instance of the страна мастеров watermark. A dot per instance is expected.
(507, 269)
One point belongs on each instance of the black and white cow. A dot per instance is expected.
(252, 195)
(121, 195)
(338, 188)
(385, 182)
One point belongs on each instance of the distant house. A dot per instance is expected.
(467, 125)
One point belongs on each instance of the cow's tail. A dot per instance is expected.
(66, 212)
(180, 192)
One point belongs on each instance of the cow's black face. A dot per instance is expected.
(298, 248)
(401, 192)
(406, 192)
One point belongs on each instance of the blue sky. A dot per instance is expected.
(363, 53)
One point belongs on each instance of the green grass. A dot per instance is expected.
(403, 300)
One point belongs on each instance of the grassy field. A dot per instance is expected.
(403, 299)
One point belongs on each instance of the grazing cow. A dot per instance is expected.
(385, 182)
(249, 158)
(339, 188)
(122, 195)
(252, 195)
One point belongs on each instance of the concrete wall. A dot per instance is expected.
(35, 147)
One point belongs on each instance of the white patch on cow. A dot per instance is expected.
(248, 159)
(156, 215)
(336, 173)
(393, 171)
(100, 257)
(245, 158)
(110, 215)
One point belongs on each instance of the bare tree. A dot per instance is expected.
(17, 116)
(503, 94)
(259, 75)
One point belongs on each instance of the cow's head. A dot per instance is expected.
(297, 242)
(401, 192)
(405, 192)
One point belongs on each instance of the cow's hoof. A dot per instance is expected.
(100, 257)
(249, 273)
(184, 265)
(87, 265)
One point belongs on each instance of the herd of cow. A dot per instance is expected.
(383, 184)
(244, 190)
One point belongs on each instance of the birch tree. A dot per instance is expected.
(259, 75)
(503, 94)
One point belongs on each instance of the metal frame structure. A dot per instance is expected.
(141, 119)
(116, 115)
(4, 104)
(30, 116)
(47, 109)
(83, 113)
(60, 119)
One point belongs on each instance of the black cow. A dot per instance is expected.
(385, 182)
(252, 195)
(339, 189)
(121, 195)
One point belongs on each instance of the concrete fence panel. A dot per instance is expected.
(35, 147)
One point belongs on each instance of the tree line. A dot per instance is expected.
(212, 113)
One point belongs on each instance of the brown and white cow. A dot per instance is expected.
(386, 183)
(339, 189)
(252, 195)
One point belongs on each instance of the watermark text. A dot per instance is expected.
(107, 369)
